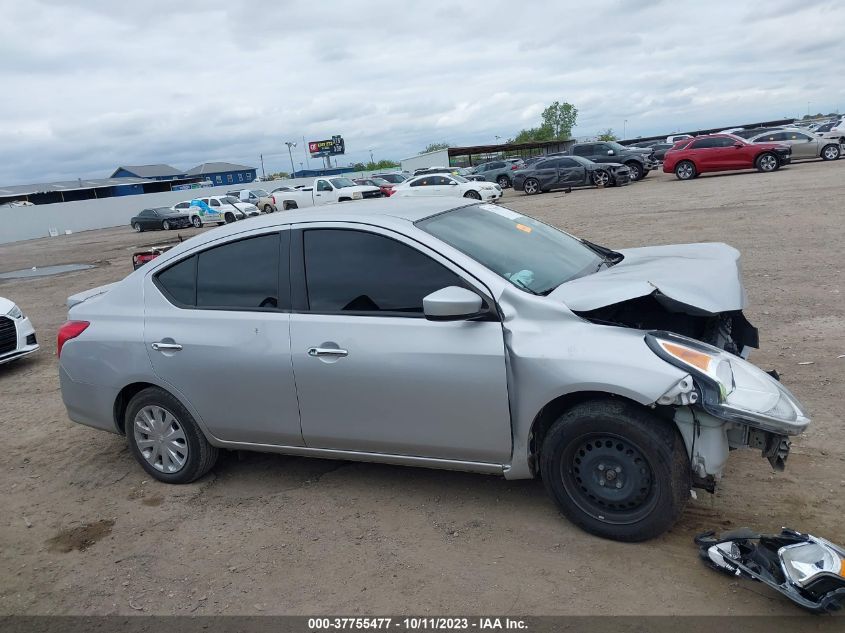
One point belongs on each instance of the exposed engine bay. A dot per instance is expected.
(729, 330)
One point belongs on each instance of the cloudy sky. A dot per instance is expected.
(92, 84)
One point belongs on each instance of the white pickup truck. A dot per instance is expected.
(325, 191)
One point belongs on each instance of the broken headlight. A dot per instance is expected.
(732, 388)
(805, 563)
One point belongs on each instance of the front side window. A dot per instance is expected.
(531, 255)
(356, 271)
(239, 275)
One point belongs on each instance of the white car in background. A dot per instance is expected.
(17, 336)
(448, 185)
(216, 210)
(832, 130)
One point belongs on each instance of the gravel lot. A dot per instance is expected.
(84, 530)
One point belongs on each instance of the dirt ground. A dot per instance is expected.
(83, 530)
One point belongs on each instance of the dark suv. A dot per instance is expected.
(639, 161)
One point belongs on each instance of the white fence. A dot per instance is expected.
(26, 223)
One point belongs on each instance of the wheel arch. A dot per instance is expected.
(555, 408)
(125, 395)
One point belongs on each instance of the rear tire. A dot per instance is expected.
(196, 221)
(616, 470)
(503, 181)
(767, 162)
(154, 415)
(830, 152)
(165, 225)
(290, 205)
(268, 208)
(685, 170)
(531, 186)
(472, 194)
(229, 217)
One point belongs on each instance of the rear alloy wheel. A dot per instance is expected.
(616, 470)
(268, 208)
(601, 178)
(196, 221)
(830, 152)
(636, 170)
(503, 181)
(165, 225)
(531, 187)
(685, 170)
(767, 162)
(137, 227)
(472, 194)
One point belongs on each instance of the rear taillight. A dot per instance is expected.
(274, 199)
(514, 167)
(71, 329)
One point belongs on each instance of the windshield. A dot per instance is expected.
(394, 178)
(261, 193)
(342, 183)
(618, 147)
(379, 182)
(531, 255)
(458, 178)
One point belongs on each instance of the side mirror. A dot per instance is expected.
(453, 183)
(452, 303)
(610, 152)
(738, 145)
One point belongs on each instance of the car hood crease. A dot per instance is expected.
(685, 277)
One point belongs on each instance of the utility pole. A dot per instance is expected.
(263, 174)
(291, 144)
(305, 151)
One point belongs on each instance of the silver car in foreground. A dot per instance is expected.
(440, 333)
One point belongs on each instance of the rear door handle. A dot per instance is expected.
(159, 347)
(327, 351)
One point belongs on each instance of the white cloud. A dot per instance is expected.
(91, 84)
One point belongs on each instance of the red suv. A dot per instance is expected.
(723, 152)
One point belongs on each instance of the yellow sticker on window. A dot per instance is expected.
(523, 228)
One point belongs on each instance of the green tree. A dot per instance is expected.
(557, 122)
(607, 135)
(433, 147)
(559, 118)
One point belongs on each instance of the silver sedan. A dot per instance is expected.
(438, 333)
(804, 144)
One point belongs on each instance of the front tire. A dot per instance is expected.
(830, 152)
(165, 439)
(635, 169)
(503, 181)
(531, 187)
(196, 221)
(616, 470)
(472, 194)
(600, 178)
(165, 225)
(767, 162)
(137, 227)
(685, 170)
(229, 217)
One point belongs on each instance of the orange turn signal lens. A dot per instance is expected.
(692, 357)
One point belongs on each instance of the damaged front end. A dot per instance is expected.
(725, 403)
(807, 569)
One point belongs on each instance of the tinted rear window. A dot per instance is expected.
(240, 275)
(179, 281)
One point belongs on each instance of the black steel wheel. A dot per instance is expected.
(616, 470)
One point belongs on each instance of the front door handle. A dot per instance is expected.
(163, 347)
(327, 351)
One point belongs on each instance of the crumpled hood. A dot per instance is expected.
(706, 277)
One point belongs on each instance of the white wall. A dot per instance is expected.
(26, 223)
(440, 158)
